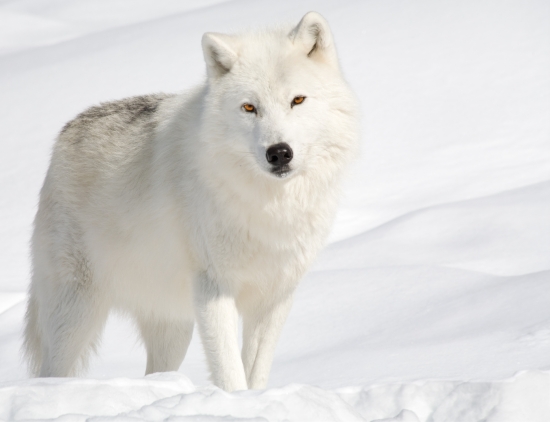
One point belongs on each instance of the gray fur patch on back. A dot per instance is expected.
(117, 114)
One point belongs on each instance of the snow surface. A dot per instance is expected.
(432, 302)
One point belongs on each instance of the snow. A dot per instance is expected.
(432, 301)
(173, 396)
(30, 23)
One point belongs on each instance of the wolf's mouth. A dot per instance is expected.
(281, 171)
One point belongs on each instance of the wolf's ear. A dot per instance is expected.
(313, 36)
(219, 53)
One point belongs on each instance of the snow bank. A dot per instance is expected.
(170, 396)
(31, 23)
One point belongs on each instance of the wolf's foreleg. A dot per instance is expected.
(217, 320)
(261, 329)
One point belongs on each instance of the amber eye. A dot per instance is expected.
(249, 108)
(297, 100)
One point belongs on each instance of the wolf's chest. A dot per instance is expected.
(256, 251)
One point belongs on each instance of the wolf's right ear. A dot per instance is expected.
(219, 53)
(313, 36)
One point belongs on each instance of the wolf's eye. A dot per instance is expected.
(297, 100)
(249, 108)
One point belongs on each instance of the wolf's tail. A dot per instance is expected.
(32, 342)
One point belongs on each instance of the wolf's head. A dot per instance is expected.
(276, 104)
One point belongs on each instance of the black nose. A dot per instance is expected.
(279, 154)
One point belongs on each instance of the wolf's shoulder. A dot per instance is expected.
(115, 116)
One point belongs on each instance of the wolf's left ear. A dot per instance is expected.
(220, 53)
(313, 36)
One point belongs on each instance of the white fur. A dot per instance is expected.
(188, 223)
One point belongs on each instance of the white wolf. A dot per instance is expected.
(202, 206)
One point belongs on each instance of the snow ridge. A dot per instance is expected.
(169, 396)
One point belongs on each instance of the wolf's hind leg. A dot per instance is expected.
(72, 319)
(166, 342)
